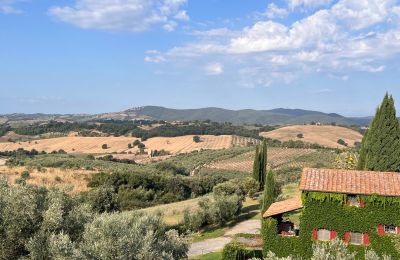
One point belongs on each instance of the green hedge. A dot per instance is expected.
(328, 211)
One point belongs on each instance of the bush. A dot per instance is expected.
(25, 175)
(104, 146)
(141, 146)
(196, 139)
(136, 142)
(233, 251)
(129, 146)
(342, 142)
(300, 136)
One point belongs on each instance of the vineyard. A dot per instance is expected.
(278, 158)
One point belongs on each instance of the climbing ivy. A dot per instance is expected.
(329, 211)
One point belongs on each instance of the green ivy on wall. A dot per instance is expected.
(329, 211)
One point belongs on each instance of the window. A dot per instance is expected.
(324, 235)
(356, 238)
(353, 201)
(390, 229)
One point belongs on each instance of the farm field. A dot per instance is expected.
(324, 135)
(175, 145)
(73, 180)
(277, 157)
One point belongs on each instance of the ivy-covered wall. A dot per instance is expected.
(329, 211)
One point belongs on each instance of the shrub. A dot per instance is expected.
(141, 146)
(196, 139)
(300, 136)
(342, 142)
(233, 251)
(129, 146)
(136, 142)
(104, 146)
(25, 175)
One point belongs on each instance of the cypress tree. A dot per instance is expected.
(269, 191)
(263, 166)
(256, 164)
(380, 149)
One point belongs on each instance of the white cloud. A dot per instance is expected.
(307, 4)
(8, 6)
(349, 36)
(214, 68)
(182, 15)
(273, 11)
(121, 15)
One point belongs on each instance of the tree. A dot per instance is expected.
(260, 164)
(380, 149)
(104, 146)
(256, 163)
(342, 142)
(300, 135)
(196, 139)
(269, 191)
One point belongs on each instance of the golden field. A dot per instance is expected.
(73, 180)
(324, 135)
(76, 144)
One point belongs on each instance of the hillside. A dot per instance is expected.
(278, 116)
(324, 135)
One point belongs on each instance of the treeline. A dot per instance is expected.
(136, 190)
(203, 128)
(52, 126)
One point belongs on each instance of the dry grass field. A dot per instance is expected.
(276, 157)
(324, 135)
(74, 144)
(74, 180)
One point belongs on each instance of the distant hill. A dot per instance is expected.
(277, 116)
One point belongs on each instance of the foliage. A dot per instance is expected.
(329, 211)
(103, 199)
(104, 146)
(260, 164)
(37, 223)
(196, 139)
(233, 251)
(347, 161)
(269, 191)
(380, 150)
(342, 142)
(110, 158)
(336, 249)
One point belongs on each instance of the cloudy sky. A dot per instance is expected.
(89, 56)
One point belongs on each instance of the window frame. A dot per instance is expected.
(361, 238)
(385, 227)
(326, 233)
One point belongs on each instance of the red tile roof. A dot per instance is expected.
(284, 206)
(350, 181)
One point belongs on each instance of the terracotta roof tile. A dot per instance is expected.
(350, 181)
(284, 206)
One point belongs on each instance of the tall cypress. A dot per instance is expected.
(263, 161)
(269, 191)
(380, 149)
(256, 164)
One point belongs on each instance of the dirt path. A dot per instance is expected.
(217, 244)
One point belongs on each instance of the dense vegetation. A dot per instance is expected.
(36, 223)
(380, 150)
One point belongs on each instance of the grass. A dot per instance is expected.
(209, 256)
(250, 211)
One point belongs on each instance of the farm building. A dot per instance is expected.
(362, 208)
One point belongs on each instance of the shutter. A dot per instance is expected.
(346, 237)
(315, 234)
(381, 230)
(333, 235)
(398, 230)
(362, 203)
(365, 239)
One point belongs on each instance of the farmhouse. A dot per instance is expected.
(362, 208)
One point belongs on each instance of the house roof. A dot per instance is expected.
(350, 182)
(284, 206)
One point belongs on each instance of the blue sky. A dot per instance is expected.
(91, 56)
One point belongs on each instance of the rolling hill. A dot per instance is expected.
(279, 116)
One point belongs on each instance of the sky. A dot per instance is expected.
(94, 56)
